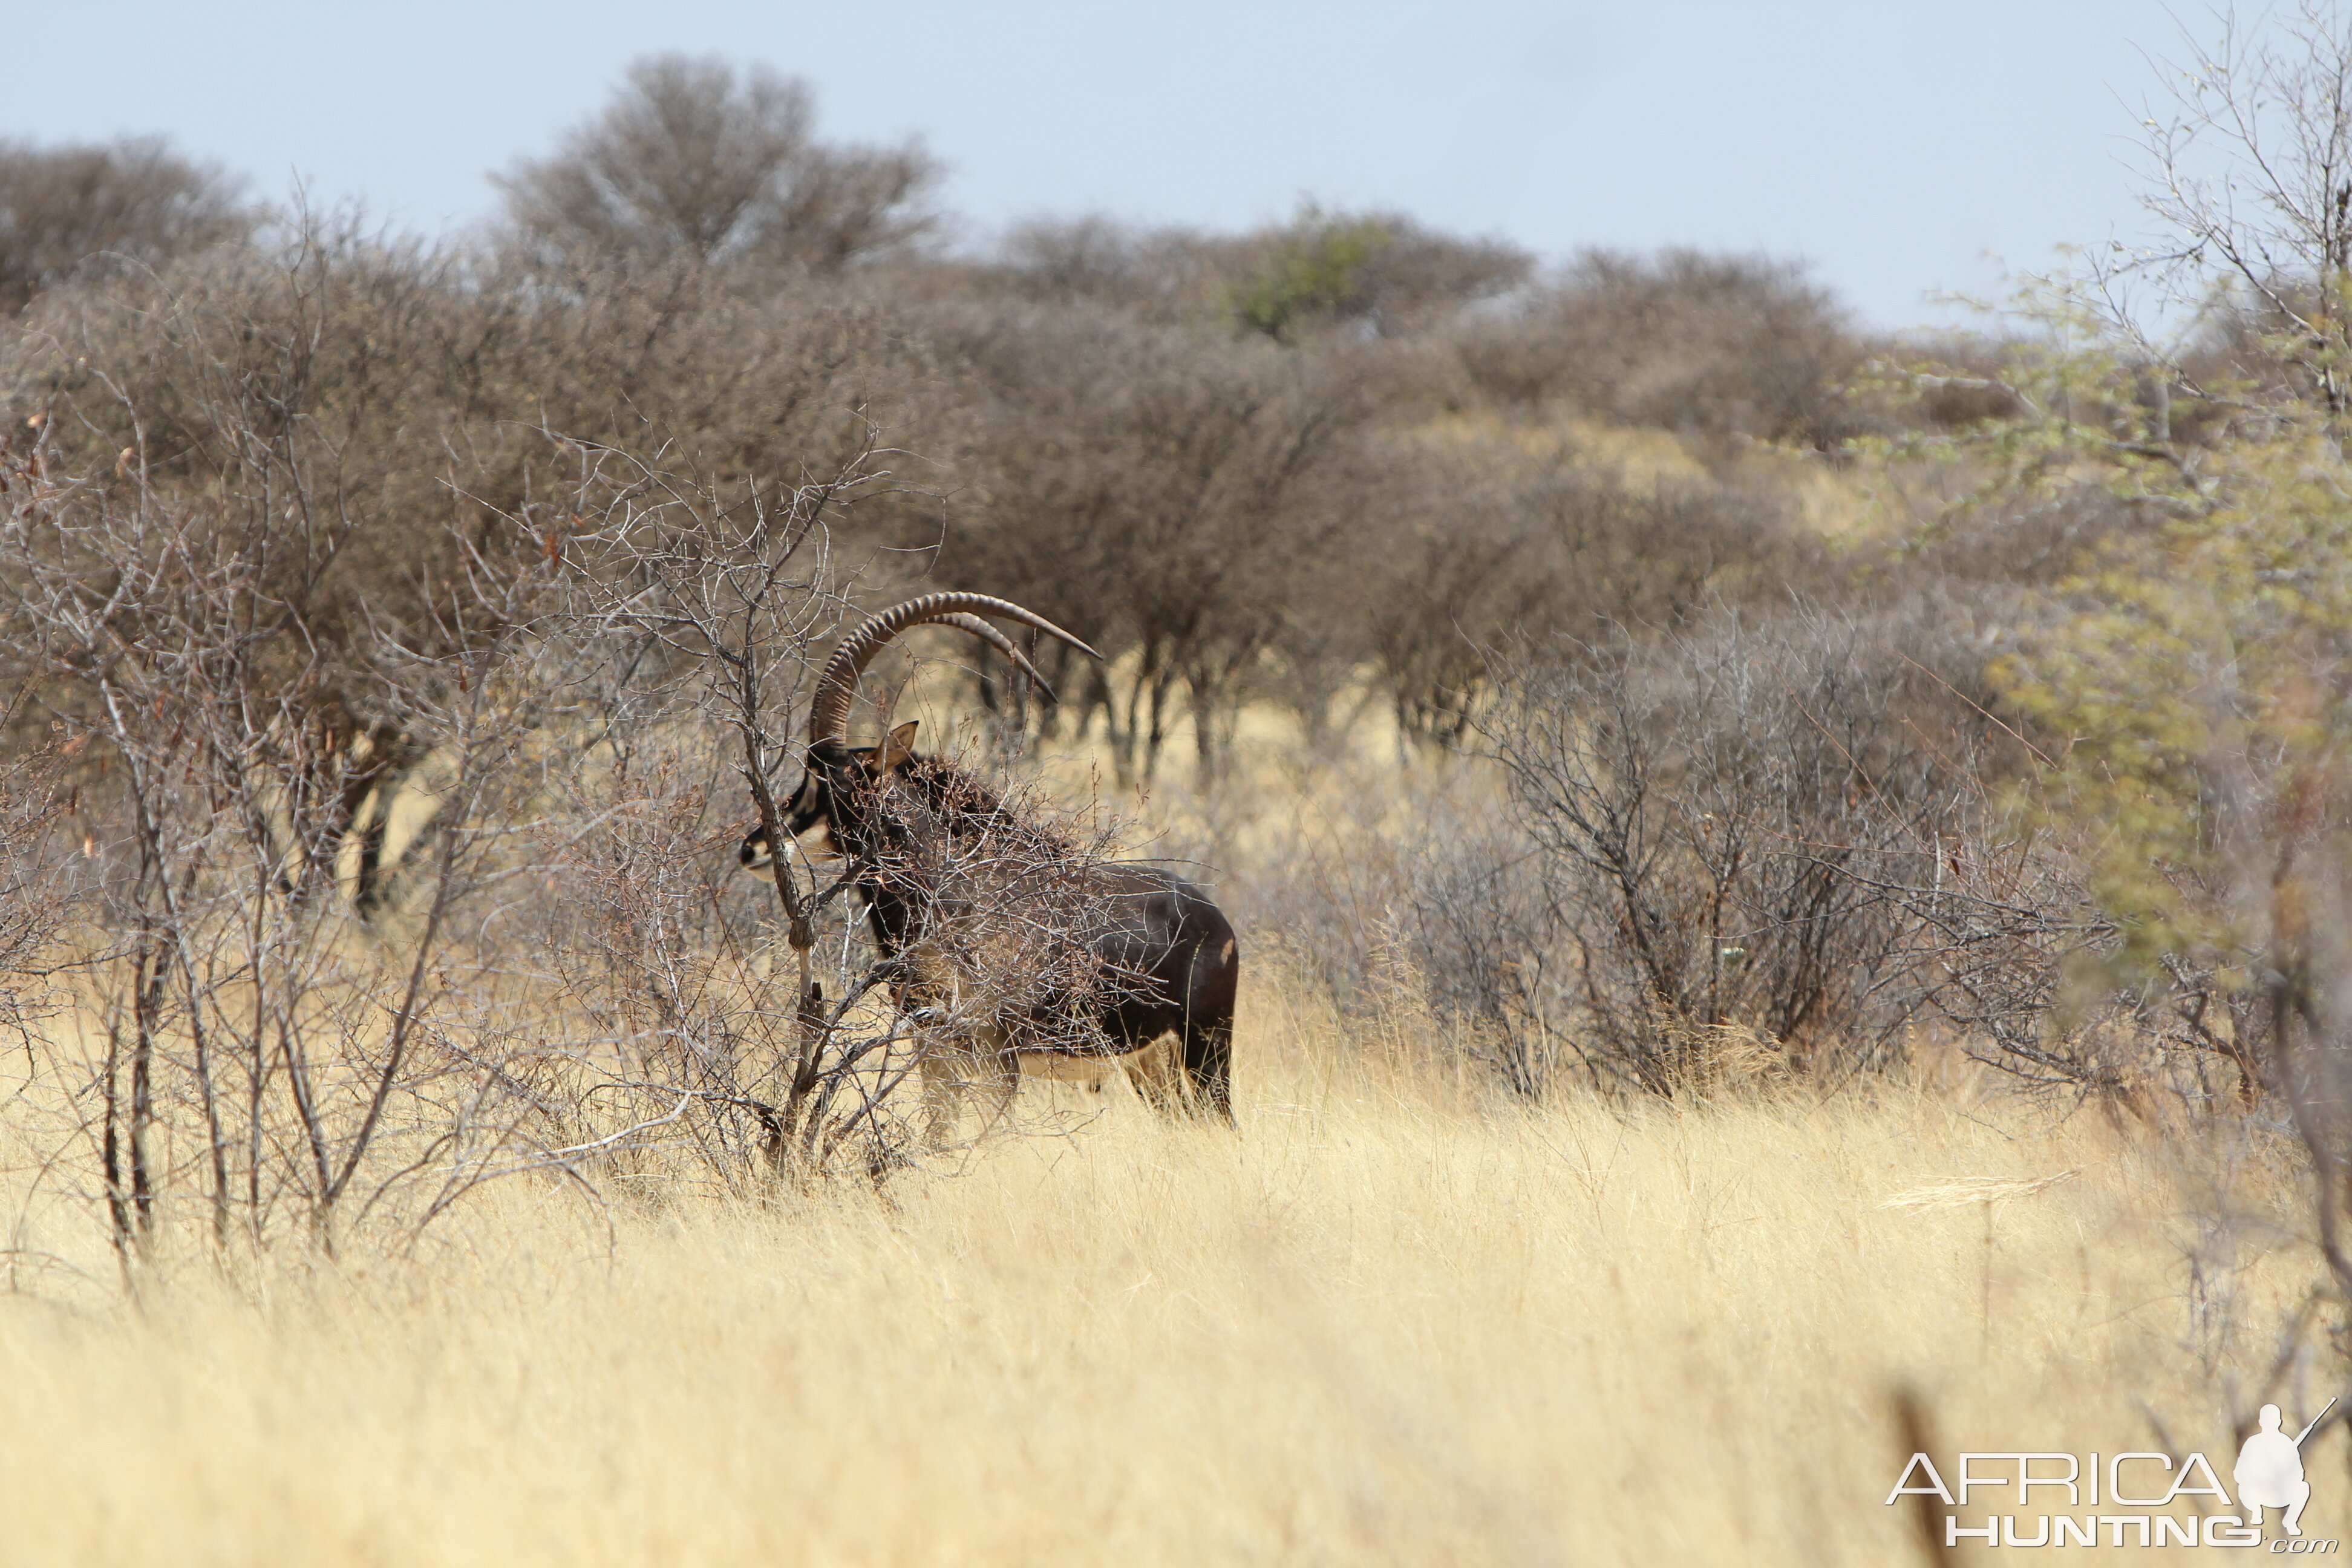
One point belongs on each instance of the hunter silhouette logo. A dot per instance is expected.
(2270, 1471)
(2135, 1498)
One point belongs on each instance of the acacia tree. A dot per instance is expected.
(1380, 271)
(2189, 682)
(402, 381)
(132, 203)
(1700, 343)
(1167, 497)
(696, 161)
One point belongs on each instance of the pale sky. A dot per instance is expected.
(1896, 146)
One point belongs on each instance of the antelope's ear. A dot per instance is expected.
(899, 746)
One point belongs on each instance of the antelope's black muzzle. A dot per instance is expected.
(755, 856)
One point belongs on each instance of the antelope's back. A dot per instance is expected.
(1170, 940)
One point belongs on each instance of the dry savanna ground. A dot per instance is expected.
(1392, 1321)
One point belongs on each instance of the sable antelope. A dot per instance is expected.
(1156, 957)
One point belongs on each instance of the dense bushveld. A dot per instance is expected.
(1777, 864)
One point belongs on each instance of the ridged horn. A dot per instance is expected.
(1003, 645)
(836, 685)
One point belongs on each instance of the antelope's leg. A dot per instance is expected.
(1004, 1081)
(943, 1076)
(1152, 1070)
(1209, 1068)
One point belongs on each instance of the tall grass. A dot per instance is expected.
(1390, 1322)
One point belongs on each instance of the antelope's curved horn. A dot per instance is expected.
(1003, 645)
(836, 685)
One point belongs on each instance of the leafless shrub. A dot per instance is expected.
(1458, 572)
(1728, 826)
(135, 203)
(248, 1049)
(1488, 940)
(2244, 168)
(714, 592)
(678, 1020)
(30, 906)
(194, 444)
(794, 1048)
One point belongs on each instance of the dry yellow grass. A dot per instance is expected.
(1387, 1324)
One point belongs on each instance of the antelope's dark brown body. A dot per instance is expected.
(1160, 958)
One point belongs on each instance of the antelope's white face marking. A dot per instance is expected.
(756, 858)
